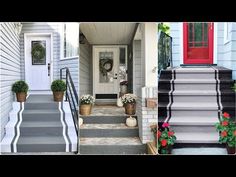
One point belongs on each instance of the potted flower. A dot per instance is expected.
(86, 102)
(227, 130)
(129, 101)
(20, 88)
(154, 131)
(124, 87)
(58, 88)
(166, 139)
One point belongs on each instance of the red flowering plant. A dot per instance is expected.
(227, 130)
(166, 138)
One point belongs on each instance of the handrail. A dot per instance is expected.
(71, 96)
(164, 52)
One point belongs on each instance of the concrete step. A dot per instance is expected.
(104, 119)
(196, 137)
(41, 105)
(41, 129)
(41, 115)
(108, 130)
(41, 144)
(116, 145)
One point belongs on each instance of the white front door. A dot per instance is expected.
(38, 69)
(106, 80)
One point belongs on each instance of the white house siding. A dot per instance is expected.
(85, 69)
(42, 27)
(9, 69)
(137, 75)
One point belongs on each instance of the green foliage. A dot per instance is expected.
(234, 87)
(164, 27)
(20, 86)
(58, 86)
(227, 129)
(38, 51)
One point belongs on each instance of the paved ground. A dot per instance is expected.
(199, 151)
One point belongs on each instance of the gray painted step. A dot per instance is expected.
(41, 144)
(104, 119)
(41, 115)
(40, 98)
(112, 146)
(41, 129)
(198, 120)
(194, 128)
(196, 73)
(196, 137)
(108, 130)
(40, 106)
(195, 84)
(194, 113)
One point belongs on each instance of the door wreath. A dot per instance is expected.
(106, 66)
(38, 51)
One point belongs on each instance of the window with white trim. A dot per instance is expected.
(70, 40)
(227, 30)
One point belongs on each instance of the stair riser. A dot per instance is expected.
(41, 117)
(194, 86)
(202, 141)
(40, 106)
(192, 98)
(194, 113)
(191, 128)
(104, 119)
(195, 75)
(109, 132)
(113, 149)
(41, 148)
(41, 131)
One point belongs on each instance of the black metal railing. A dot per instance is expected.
(164, 51)
(71, 95)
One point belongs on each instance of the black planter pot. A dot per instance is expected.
(230, 150)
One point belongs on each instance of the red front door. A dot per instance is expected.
(198, 43)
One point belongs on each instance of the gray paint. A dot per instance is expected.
(9, 69)
(137, 75)
(85, 69)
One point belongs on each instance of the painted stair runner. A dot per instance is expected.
(192, 99)
(108, 134)
(40, 125)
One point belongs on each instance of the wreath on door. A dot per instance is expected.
(38, 51)
(106, 66)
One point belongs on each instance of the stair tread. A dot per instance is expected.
(41, 140)
(193, 120)
(195, 105)
(41, 111)
(41, 124)
(106, 126)
(44, 98)
(111, 141)
(197, 136)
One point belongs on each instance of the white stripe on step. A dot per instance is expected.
(64, 127)
(218, 88)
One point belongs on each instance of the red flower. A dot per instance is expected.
(225, 123)
(234, 132)
(224, 134)
(226, 115)
(158, 133)
(165, 124)
(163, 142)
(171, 133)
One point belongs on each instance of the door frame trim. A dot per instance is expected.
(93, 58)
(26, 35)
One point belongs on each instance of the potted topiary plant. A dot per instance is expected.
(129, 101)
(227, 130)
(58, 88)
(21, 89)
(86, 102)
(166, 139)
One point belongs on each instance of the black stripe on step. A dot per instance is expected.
(67, 136)
(217, 93)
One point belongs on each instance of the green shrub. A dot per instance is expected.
(58, 86)
(20, 86)
(234, 87)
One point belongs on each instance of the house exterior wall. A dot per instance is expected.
(9, 69)
(85, 69)
(137, 75)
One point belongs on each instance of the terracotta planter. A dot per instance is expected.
(85, 109)
(130, 108)
(230, 150)
(58, 96)
(21, 96)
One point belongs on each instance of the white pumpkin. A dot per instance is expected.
(80, 121)
(119, 102)
(131, 122)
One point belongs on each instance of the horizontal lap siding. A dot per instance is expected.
(85, 69)
(9, 69)
(175, 34)
(137, 66)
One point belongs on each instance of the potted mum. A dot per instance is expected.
(20, 88)
(129, 101)
(227, 130)
(58, 88)
(86, 102)
(166, 139)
